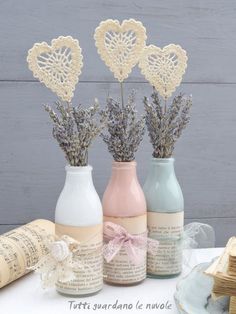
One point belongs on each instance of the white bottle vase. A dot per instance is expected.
(79, 215)
(165, 206)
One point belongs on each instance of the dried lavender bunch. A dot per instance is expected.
(166, 123)
(74, 129)
(125, 130)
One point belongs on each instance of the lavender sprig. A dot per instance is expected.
(165, 124)
(124, 130)
(74, 128)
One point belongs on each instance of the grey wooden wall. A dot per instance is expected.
(31, 164)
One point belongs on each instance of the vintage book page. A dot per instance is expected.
(232, 305)
(21, 248)
(224, 283)
(232, 260)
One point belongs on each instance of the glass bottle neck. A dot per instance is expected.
(124, 171)
(79, 176)
(162, 166)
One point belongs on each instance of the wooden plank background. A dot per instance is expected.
(31, 164)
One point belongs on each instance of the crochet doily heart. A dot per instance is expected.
(57, 66)
(163, 68)
(120, 45)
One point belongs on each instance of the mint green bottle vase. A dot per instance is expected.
(165, 205)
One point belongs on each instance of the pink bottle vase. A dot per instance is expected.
(124, 205)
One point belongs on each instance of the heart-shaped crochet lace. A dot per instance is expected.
(164, 68)
(120, 45)
(57, 66)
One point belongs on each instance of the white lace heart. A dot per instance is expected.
(163, 68)
(57, 66)
(120, 45)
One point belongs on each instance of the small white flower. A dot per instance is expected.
(59, 262)
(60, 250)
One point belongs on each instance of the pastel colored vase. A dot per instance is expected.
(124, 204)
(165, 205)
(79, 215)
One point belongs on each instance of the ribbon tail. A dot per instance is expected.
(135, 254)
(152, 246)
(110, 249)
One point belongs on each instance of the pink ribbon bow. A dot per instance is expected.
(116, 237)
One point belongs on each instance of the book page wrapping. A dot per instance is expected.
(21, 248)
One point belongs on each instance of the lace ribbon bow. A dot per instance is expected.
(61, 261)
(117, 237)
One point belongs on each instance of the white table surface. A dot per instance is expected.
(25, 295)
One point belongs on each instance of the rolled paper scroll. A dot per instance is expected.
(21, 248)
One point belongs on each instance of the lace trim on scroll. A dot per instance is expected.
(120, 45)
(57, 66)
